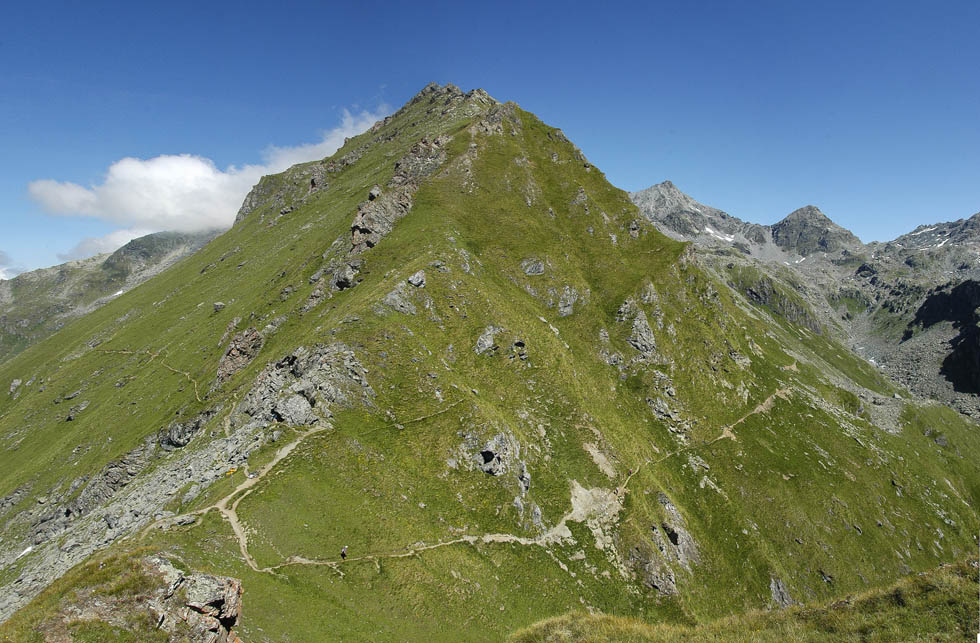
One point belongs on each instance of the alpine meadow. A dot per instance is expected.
(450, 384)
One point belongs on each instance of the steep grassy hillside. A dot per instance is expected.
(932, 606)
(456, 350)
(36, 304)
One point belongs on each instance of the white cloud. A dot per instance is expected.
(278, 159)
(179, 192)
(90, 246)
(7, 271)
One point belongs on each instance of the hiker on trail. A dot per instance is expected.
(343, 553)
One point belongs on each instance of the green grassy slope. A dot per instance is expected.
(749, 437)
(937, 605)
(36, 304)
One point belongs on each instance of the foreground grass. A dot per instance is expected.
(116, 584)
(939, 605)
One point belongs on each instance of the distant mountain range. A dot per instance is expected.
(37, 303)
(909, 305)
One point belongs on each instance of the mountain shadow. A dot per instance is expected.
(961, 367)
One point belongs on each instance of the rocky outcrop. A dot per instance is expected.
(670, 546)
(681, 217)
(179, 434)
(299, 388)
(957, 306)
(763, 291)
(780, 595)
(376, 216)
(129, 493)
(532, 267)
(242, 349)
(485, 342)
(191, 607)
(275, 193)
(641, 338)
(201, 607)
(818, 275)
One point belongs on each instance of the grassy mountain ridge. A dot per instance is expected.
(506, 392)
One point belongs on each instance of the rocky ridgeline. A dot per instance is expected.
(900, 304)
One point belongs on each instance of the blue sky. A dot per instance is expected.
(869, 110)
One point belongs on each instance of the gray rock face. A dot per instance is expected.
(346, 276)
(532, 267)
(294, 410)
(273, 194)
(111, 479)
(671, 545)
(126, 495)
(642, 338)
(376, 217)
(808, 230)
(654, 571)
(818, 275)
(398, 300)
(566, 302)
(179, 434)
(13, 498)
(418, 279)
(681, 217)
(780, 595)
(498, 455)
(684, 550)
(763, 291)
(211, 605)
(76, 409)
(299, 388)
(485, 341)
(217, 597)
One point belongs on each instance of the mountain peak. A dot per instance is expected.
(449, 91)
(665, 196)
(810, 213)
(807, 230)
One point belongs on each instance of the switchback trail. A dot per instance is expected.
(228, 505)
